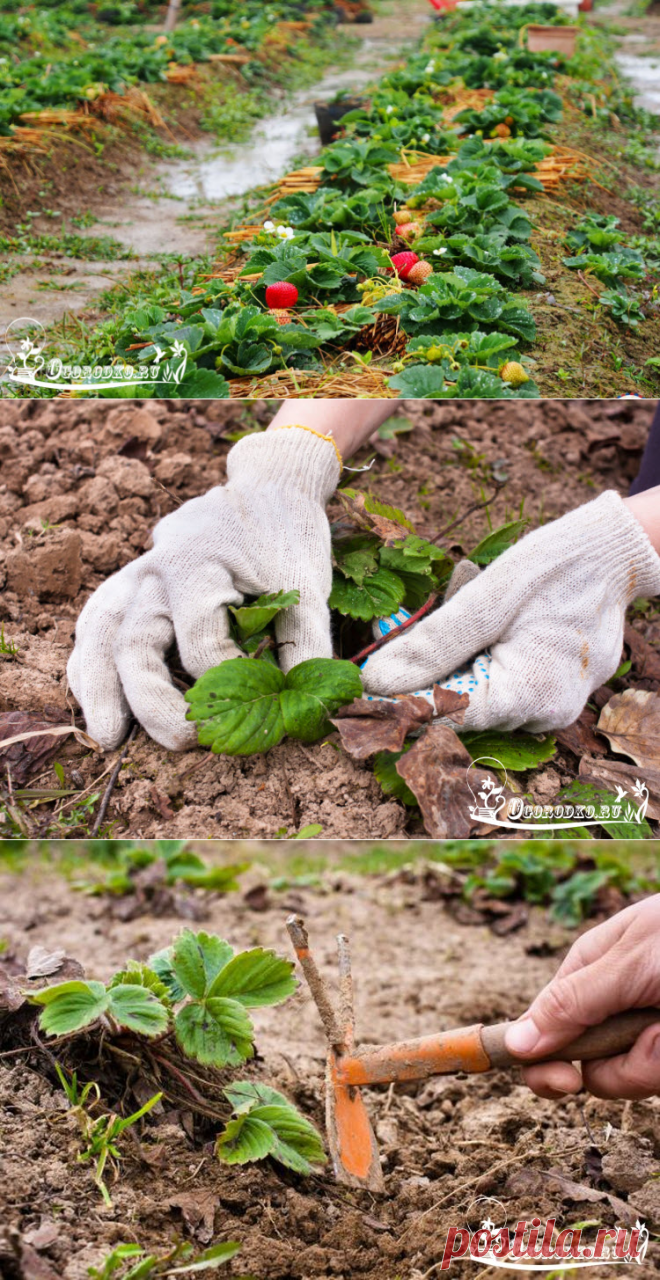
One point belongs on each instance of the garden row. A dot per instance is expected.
(406, 255)
(64, 57)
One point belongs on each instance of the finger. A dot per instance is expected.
(632, 1075)
(553, 1079)
(198, 602)
(303, 631)
(91, 669)
(465, 571)
(140, 646)
(567, 1006)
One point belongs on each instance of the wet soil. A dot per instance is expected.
(83, 484)
(177, 204)
(454, 1150)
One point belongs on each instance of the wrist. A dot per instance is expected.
(289, 460)
(631, 565)
(349, 423)
(645, 507)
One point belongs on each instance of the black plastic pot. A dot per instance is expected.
(328, 115)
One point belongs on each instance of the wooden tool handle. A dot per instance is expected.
(615, 1035)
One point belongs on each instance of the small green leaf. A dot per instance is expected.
(390, 781)
(209, 1260)
(140, 1010)
(498, 541)
(141, 975)
(68, 1006)
(161, 963)
(245, 1140)
(256, 617)
(197, 959)
(256, 978)
(515, 751)
(379, 595)
(293, 1141)
(215, 1032)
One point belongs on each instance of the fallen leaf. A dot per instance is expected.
(578, 1191)
(24, 759)
(366, 727)
(450, 705)
(198, 1211)
(580, 737)
(41, 962)
(389, 530)
(614, 773)
(645, 659)
(436, 770)
(631, 722)
(11, 996)
(43, 1236)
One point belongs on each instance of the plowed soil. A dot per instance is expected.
(83, 485)
(455, 1149)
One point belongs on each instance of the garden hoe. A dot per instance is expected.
(351, 1138)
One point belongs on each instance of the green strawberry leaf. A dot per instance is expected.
(515, 751)
(256, 978)
(197, 959)
(141, 975)
(139, 1010)
(245, 706)
(379, 595)
(69, 1006)
(244, 1140)
(385, 763)
(255, 617)
(498, 541)
(293, 1140)
(216, 1032)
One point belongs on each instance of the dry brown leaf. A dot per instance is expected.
(631, 722)
(198, 1212)
(367, 727)
(614, 773)
(389, 530)
(11, 996)
(26, 758)
(580, 737)
(41, 962)
(435, 769)
(578, 1191)
(645, 659)
(449, 704)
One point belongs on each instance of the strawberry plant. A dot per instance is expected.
(189, 1004)
(179, 865)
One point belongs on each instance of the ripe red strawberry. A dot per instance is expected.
(281, 295)
(404, 262)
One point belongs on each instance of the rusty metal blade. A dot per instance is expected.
(351, 1139)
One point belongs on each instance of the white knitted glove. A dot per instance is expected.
(265, 530)
(539, 629)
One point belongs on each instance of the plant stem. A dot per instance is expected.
(396, 631)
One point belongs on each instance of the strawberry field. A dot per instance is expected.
(138, 1142)
(484, 225)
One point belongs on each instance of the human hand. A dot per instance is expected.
(610, 969)
(265, 530)
(539, 629)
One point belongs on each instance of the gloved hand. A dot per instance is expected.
(539, 629)
(265, 530)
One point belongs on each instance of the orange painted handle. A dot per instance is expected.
(478, 1048)
(441, 1054)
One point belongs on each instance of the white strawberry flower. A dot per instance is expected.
(269, 226)
(285, 233)
(437, 253)
(426, 137)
